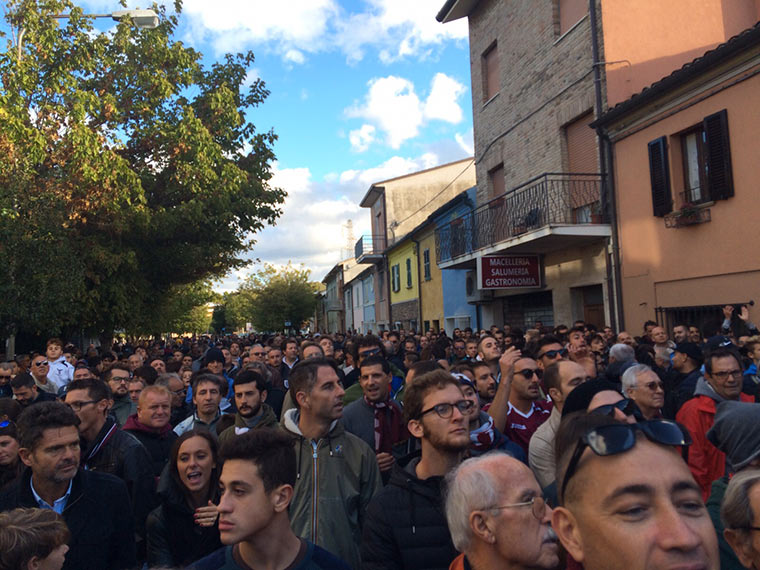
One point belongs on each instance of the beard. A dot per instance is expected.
(448, 443)
(249, 412)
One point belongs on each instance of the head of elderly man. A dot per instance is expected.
(740, 513)
(497, 516)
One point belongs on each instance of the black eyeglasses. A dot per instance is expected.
(628, 407)
(371, 352)
(553, 353)
(618, 438)
(41, 363)
(445, 411)
(76, 406)
(528, 373)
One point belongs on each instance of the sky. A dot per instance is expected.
(361, 91)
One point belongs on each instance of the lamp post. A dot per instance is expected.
(143, 19)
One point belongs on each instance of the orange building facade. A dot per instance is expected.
(686, 166)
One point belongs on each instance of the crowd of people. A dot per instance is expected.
(563, 447)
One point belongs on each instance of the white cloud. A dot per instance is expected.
(442, 102)
(393, 106)
(466, 142)
(294, 56)
(311, 230)
(360, 139)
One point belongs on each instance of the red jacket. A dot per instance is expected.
(707, 462)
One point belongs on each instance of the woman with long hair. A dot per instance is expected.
(184, 528)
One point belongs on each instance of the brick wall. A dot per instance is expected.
(546, 81)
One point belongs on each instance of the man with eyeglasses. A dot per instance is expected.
(497, 516)
(549, 350)
(629, 502)
(642, 385)
(722, 381)
(118, 378)
(405, 527)
(560, 379)
(108, 449)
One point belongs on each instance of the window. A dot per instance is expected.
(426, 264)
(496, 183)
(570, 12)
(707, 160)
(395, 278)
(490, 72)
(408, 273)
(706, 165)
(694, 165)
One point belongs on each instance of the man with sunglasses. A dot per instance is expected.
(549, 350)
(405, 527)
(642, 385)
(498, 517)
(527, 408)
(39, 371)
(629, 502)
(722, 382)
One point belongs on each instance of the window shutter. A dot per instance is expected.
(718, 156)
(659, 174)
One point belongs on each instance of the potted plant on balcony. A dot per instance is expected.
(688, 214)
(595, 213)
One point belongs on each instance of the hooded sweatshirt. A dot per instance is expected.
(707, 462)
(337, 477)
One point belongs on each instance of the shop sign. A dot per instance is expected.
(509, 272)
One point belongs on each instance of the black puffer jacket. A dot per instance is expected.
(405, 527)
(120, 453)
(174, 540)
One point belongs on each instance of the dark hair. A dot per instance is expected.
(463, 367)
(147, 373)
(375, 361)
(23, 380)
(366, 341)
(27, 533)
(484, 337)
(107, 374)
(10, 408)
(174, 455)
(420, 387)
(545, 341)
(271, 450)
(309, 344)
(423, 367)
(248, 376)
(212, 378)
(55, 340)
(96, 389)
(720, 352)
(9, 430)
(303, 377)
(412, 357)
(35, 419)
(581, 329)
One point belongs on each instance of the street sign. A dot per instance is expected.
(509, 272)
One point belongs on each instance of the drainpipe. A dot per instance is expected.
(608, 189)
(419, 285)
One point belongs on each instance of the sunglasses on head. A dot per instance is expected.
(628, 407)
(370, 352)
(618, 438)
(5, 423)
(553, 353)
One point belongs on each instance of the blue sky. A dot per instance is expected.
(361, 91)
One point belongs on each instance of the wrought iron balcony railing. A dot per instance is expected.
(369, 245)
(551, 198)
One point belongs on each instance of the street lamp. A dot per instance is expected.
(143, 19)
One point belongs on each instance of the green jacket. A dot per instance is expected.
(265, 419)
(337, 477)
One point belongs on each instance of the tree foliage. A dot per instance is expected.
(129, 173)
(270, 297)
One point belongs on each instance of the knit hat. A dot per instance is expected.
(214, 355)
(735, 432)
(581, 396)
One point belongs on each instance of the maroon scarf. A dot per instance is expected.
(389, 428)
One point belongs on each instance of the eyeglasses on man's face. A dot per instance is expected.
(725, 374)
(537, 503)
(77, 406)
(41, 363)
(562, 352)
(446, 410)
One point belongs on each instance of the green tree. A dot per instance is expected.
(270, 297)
(128, 170)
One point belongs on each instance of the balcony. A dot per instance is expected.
(550, 212)
(369, 249)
